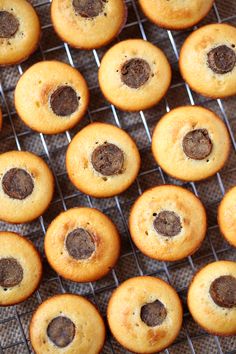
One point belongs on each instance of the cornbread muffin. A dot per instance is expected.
(227, 216)
(168, 223)
(82, 244)
(212, 298)
(176, 14)
(20, 269)
(19, 31)
(191, 143)
(208, 60)
(145, 314)
(102, 160)
(134, 75)
(51, 97)
(69, 324)
(26, 186)
(88, 24)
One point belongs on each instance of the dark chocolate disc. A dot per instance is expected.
(222, 59)
(108, 159)
(197, 144)
(64, 101)
(223, 291)
(135, 73)
(89, 8)
(17, 183)
(80, 244)
(11, 272)
(153, 314)
(9, 24)
(61, 331)
(167, 223)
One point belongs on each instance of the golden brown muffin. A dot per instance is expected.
(51, 97)
(208, 60)
(26, 186)
(134, 75)
(102, 160)
(19, 31)
(69, 324)
(227, 216)
(176, 14)
(191, 143)
(212, 298)
(20, 269)
(168, 223)
(145, 314)
(88, 24)
(82, 244)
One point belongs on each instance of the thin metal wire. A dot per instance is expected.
(140, 22)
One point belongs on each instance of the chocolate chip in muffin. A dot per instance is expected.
(11, 272)
(197, 144)
(9, 24)
(153, 314)
(108, 159)
(167, 223)
(222, 59)
(64, 101)
(135, 72)
(89, 8)
(61, 331)
(17, 183)
(223, 291)
(80, 244)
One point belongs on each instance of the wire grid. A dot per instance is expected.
(14, 320)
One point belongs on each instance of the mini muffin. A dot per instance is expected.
(191, 143)
(82, 244)
(20, 269)
(26, 186)
(168, 223)
(134, 75)
(102, 160)
(176, 14)
(208, 60)
(227, 216)
(69, 324)
(145, 314)
(19, 31)
(88, 24)
(51, 97)
(212, 298)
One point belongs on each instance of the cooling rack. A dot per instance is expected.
(14, 321)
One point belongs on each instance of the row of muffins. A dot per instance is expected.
(144, 313)
(52, 97)
(84, 24)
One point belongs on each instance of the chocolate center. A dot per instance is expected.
(11, 272)
(80, 244)
(108, 159)
(153, 314)
(64, 101)
(167, 223)
(89, 8)
(61, 331)
(222, 59)
(135, 72)
(9, 24)
(17, 183)
(223, 291)
(197, 144)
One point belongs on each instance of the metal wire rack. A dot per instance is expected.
(14, 321)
